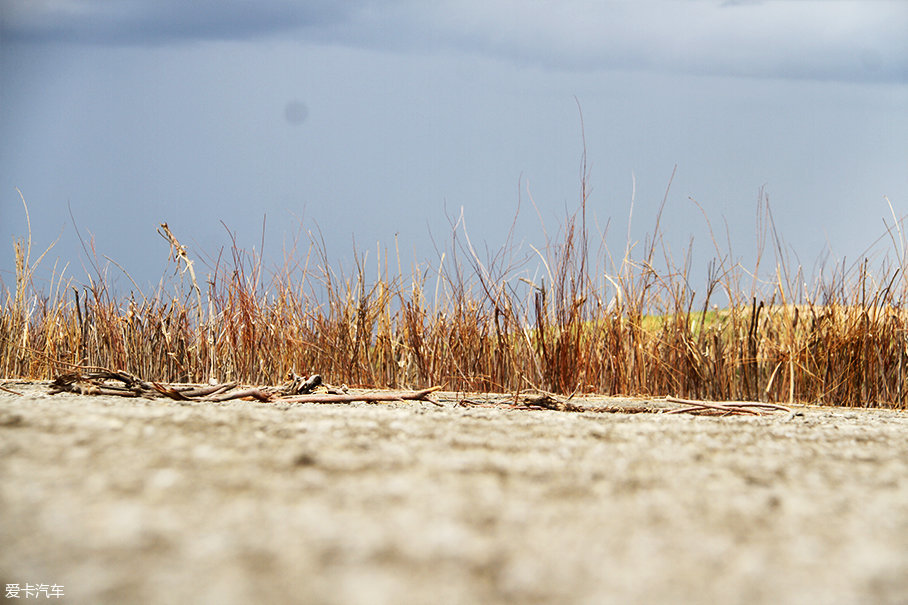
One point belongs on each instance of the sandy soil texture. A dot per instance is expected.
(152, 501)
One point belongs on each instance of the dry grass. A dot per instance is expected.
(591, 324)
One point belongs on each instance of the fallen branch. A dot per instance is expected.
(94, 382)
(300, 385)
(422, 395)
(253, 392)
(87, 380)
(170, 392)
(548, 402)
(207, 391)
(731, 407)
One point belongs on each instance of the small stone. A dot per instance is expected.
(304, 459)
(11, 419)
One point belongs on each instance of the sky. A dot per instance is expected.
(376, 124)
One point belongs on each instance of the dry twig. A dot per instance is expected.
(96, 381)
(3, 388)
(422, 395)
(730, 407)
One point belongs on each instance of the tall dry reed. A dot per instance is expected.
(590, 323)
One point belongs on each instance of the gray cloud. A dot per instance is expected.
(790, 39)
(124, 22)
(811, 39)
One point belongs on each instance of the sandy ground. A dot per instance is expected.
(141, 501)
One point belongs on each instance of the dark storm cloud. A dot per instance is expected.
(164, 21)
(804, 39)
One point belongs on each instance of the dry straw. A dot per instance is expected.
(589, 324)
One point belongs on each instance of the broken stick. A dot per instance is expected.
(422, 395)
(733, 407)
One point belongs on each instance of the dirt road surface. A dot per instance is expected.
(151, 501)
